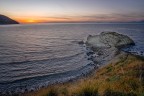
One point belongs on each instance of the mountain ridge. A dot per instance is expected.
(6, 20)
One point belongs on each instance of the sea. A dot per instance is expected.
(33, 56)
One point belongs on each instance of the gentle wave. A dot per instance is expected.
(33, 61)
(29, 68)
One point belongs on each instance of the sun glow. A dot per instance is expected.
(25, 20)
(31, 21)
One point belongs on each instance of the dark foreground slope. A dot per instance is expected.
(6, 20)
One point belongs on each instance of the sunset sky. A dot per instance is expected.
(33, 11)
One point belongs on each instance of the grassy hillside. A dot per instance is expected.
(122, 77)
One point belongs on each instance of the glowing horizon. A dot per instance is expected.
(37, 11)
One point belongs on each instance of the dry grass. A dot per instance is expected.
(122, 78)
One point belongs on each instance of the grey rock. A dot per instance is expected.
(81, 42)
(109, 39)
(107, 45)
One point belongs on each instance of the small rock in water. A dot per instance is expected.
(81, 42)
(90, 53)
(89, 59)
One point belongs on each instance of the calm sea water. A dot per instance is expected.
(32, 56)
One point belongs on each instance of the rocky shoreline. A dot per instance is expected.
(117, 64)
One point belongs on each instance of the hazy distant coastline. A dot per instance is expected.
(7, 20)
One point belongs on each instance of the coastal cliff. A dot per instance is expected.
(6, 20)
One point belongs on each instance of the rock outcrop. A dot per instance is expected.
(7, 20)
(107, 45)
(109, 39)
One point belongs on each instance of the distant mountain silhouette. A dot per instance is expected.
(7, 20)
(142, 21)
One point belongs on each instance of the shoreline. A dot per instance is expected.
(103, 50)
(88, 77)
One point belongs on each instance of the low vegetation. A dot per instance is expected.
(124, 77)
